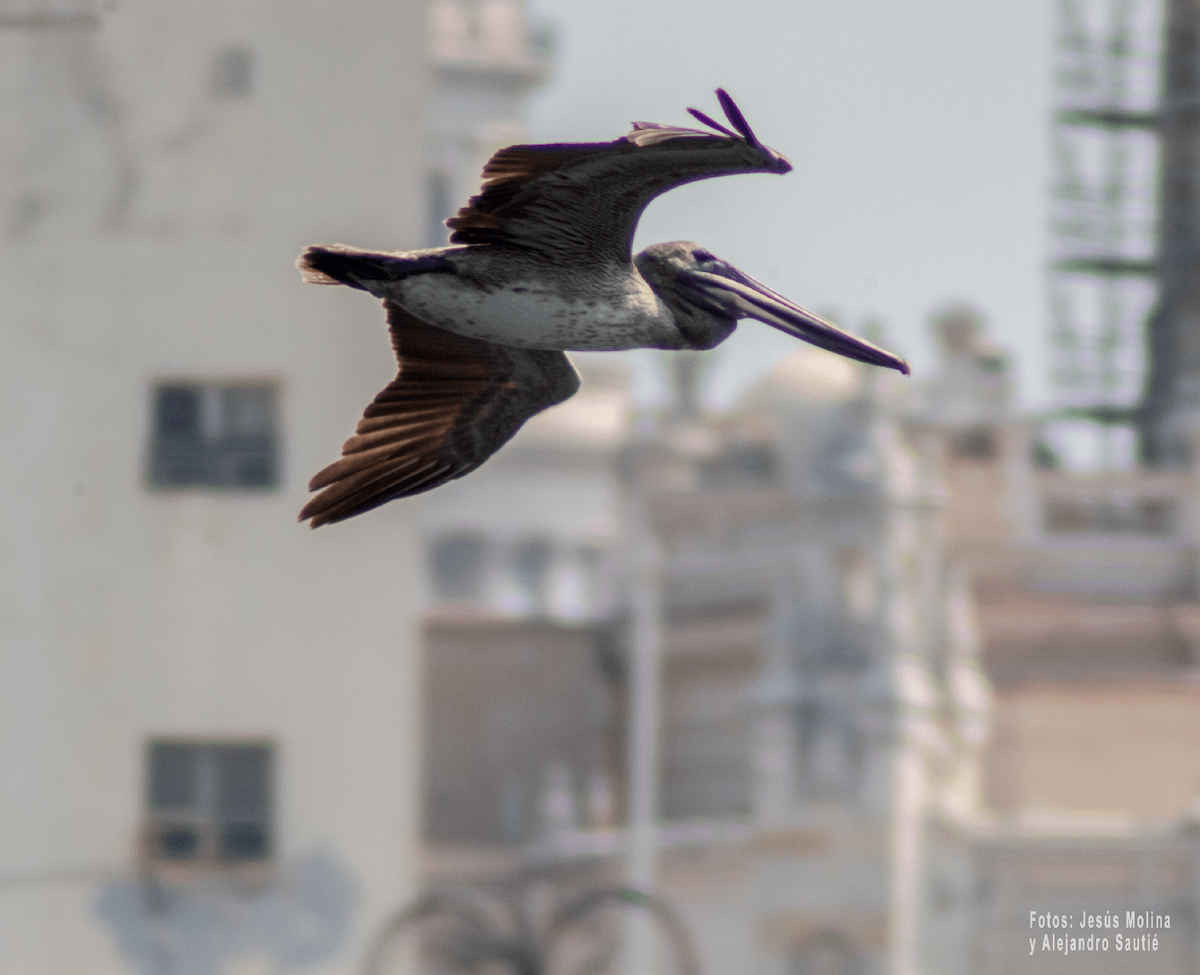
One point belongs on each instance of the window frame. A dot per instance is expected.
(221, 456)
(203, 815)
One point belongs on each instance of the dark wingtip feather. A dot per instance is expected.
(310, 514)
(736, 118)
(711, 123)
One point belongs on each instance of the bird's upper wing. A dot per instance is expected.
(454, 403)
(581, 202)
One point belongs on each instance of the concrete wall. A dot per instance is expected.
(1117, 748)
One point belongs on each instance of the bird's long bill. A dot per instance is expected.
(753, 299)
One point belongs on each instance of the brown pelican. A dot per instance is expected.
(541, 262)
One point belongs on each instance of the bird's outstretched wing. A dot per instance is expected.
(580, 203)
(454, 403)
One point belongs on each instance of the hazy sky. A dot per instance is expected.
(919, 134)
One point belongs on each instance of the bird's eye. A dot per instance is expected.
(703, 256)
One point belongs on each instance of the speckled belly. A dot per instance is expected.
(526, 316)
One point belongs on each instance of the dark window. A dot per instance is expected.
(178, 842)
(174, 772)
(215, 435)
(458, 568)
(1109, 516)
(209, 802)
(825, 953)
(976, 444)
(741, 465)
(232, 75)
(530, 568)
(177, 412)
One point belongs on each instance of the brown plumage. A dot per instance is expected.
(581, 203)
(540, 262)
(454, 402)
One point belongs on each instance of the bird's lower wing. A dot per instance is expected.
(454, 403)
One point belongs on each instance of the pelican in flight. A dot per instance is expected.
(541, 262)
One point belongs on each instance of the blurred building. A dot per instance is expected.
(521, 583)
(487, 58)
(1125, 300)
(917, 683)
(208, 713)
(819, 662)
(1086, 598)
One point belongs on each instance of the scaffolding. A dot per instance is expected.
(1102, 284)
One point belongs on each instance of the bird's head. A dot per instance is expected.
(709, 295)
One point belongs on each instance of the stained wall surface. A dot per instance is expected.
(161, 165)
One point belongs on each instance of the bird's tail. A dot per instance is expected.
(365, 270)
